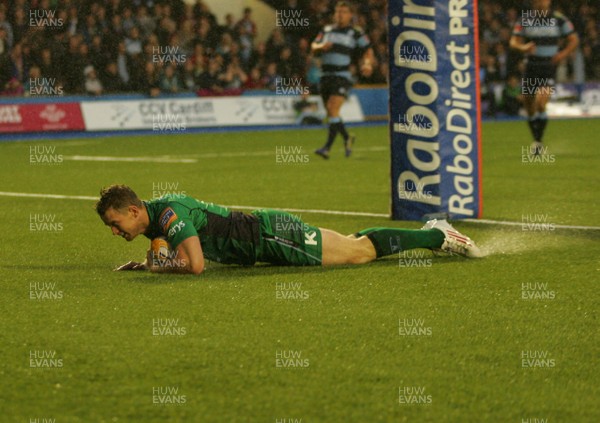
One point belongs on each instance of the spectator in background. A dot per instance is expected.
(99, 56)
(197, 57)
(133, 43)
(234, 77)
(123, 62)
(93, 86)
(90, 29)
(209, 81)
(254, 81)
(258, 59)
(275, 44)
(47, 66)
(21, 25)
(225, 46)
(271, 76)
(169, 81)
(246, 26)
(228, 26)
(146, 24)
(512, 98)
(127, 20)
(3, 42)
(286, 66)
(188, 76)
(205, 35)
(34, 85)
(72, 21)
(19, 68)
(166, 28)
(186, 35)
(501, 61)
(111, 81)
(151, 80)
(6, 26)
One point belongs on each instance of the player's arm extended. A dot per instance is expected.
(188, 259)
(517, 43)
(320, 46)
(367, 62)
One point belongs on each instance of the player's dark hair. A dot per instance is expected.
(343, 3)
(117, 197)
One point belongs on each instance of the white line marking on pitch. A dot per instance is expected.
(55, 196)
(316, 211)
(171, 159)
(129, 159)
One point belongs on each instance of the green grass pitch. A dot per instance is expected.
(217, 360)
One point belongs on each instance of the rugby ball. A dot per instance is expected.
(160, 248)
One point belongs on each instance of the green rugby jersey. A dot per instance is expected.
(225, 236)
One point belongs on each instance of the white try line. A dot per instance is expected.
(315, 211)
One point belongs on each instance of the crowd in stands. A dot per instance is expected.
(92, 47)
(152, 46)
(500, 64)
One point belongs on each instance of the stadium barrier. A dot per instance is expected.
(64, 114)
(160, 114)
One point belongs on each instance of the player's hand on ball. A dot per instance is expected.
(132, 265)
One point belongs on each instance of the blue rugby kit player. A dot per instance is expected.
(338, 45)
(539, 34)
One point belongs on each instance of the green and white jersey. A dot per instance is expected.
(225, 236)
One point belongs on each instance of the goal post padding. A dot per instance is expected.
(435, 119)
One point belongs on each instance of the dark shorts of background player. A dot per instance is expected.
(286, 240)
(334, 85)
(538, 74)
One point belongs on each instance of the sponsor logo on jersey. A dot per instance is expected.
(167, 217)
(176, 228)
(309, 238)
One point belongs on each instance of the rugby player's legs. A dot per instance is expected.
(334, 104)
(340, 249)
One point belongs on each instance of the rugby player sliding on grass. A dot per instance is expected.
(196, 231)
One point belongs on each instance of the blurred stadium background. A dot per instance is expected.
(212, 48)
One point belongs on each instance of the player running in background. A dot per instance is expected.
(196, 231)
(538, 35)
(338, 45)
